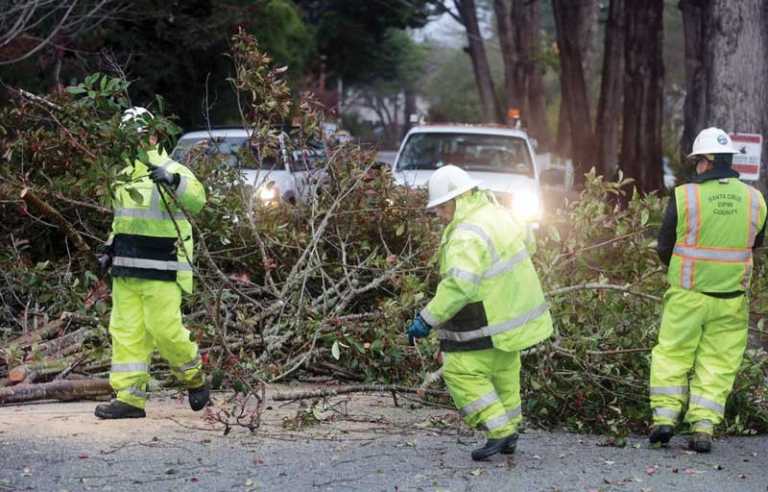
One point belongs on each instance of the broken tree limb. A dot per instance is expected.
(432, 377)
(621, 288)
(56, 390)
(63, 342)
(30, 198)
(362, 388)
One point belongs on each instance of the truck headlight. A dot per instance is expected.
(268, 192)
(526, 205)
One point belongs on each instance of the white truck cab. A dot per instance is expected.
(500, 157)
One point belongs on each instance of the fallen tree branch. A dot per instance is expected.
(362, 388)
(56, 390)
(621, 288)
(38, 203)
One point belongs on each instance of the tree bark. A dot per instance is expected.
(476, 49)
(518, 27)
(573, 86)
(537, 112)
(644, 80)
(694, 108)
(609, 116)
(56, 390)
(737, 70)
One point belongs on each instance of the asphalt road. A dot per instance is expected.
(361, 443)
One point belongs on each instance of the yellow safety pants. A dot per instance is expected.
(485, 386)
(146, 314)
(707, 335)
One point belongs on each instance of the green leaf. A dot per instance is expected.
(76, 89)
(335, 352)
(135, 195)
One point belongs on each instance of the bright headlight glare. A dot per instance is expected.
(526, 205)
(267, 193)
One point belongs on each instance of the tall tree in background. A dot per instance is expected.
(518, 27)
(695, 20)
(644, 84)
(575, 114)
(467, 16)
(609, 106)
(726, 48)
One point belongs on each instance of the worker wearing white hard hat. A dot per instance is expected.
(707, 236)
(488, 306)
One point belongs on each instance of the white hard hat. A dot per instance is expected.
(449, 182)
(141, 115)
(712, 141)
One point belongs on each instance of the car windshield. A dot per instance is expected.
(469, 151)
(229, 149)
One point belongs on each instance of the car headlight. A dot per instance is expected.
(268, 192)
(526, 205)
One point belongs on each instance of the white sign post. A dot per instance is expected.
(748, 161)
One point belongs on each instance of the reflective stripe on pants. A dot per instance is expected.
(703, 334)
(146, 314)
(485, 386)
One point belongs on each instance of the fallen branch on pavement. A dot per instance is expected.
(362, 388)
(56, 390)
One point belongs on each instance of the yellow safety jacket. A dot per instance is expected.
(489, 294)
(145, 242)
(718, 221)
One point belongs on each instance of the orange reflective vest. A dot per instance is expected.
(718, 221)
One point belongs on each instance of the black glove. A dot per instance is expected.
(105, 261)
(161, 176)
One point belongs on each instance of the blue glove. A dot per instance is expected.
(161, 176)
(418, 329)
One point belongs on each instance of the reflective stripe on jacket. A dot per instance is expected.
(489, 294)
(144, 239)
(716, 230)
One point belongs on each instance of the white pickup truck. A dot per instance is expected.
(501, 157)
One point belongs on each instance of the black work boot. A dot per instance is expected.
(511, 446)
(493, 446)
(116, 409)
(661, 434)
(199, 397)
(701, 442)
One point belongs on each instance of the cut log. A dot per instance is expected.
(59, 344)
(28, 373)
(56, 390)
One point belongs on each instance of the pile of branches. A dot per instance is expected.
(325, 286)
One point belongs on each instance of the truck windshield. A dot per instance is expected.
(469, 151)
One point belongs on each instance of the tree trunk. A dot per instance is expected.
(513, 94)
(410, 109)
(644, 81)
(694, 109)
(518, 26)
(608, 122)
(476, 49)
(537, 112)
(737, 70)
(573, 86)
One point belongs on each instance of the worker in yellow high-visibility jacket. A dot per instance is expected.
(488, 307)
(709, 231)
(150, 253)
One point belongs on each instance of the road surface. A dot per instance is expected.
(355, 443)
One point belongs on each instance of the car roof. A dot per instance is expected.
(216, 132)
(468, 128)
